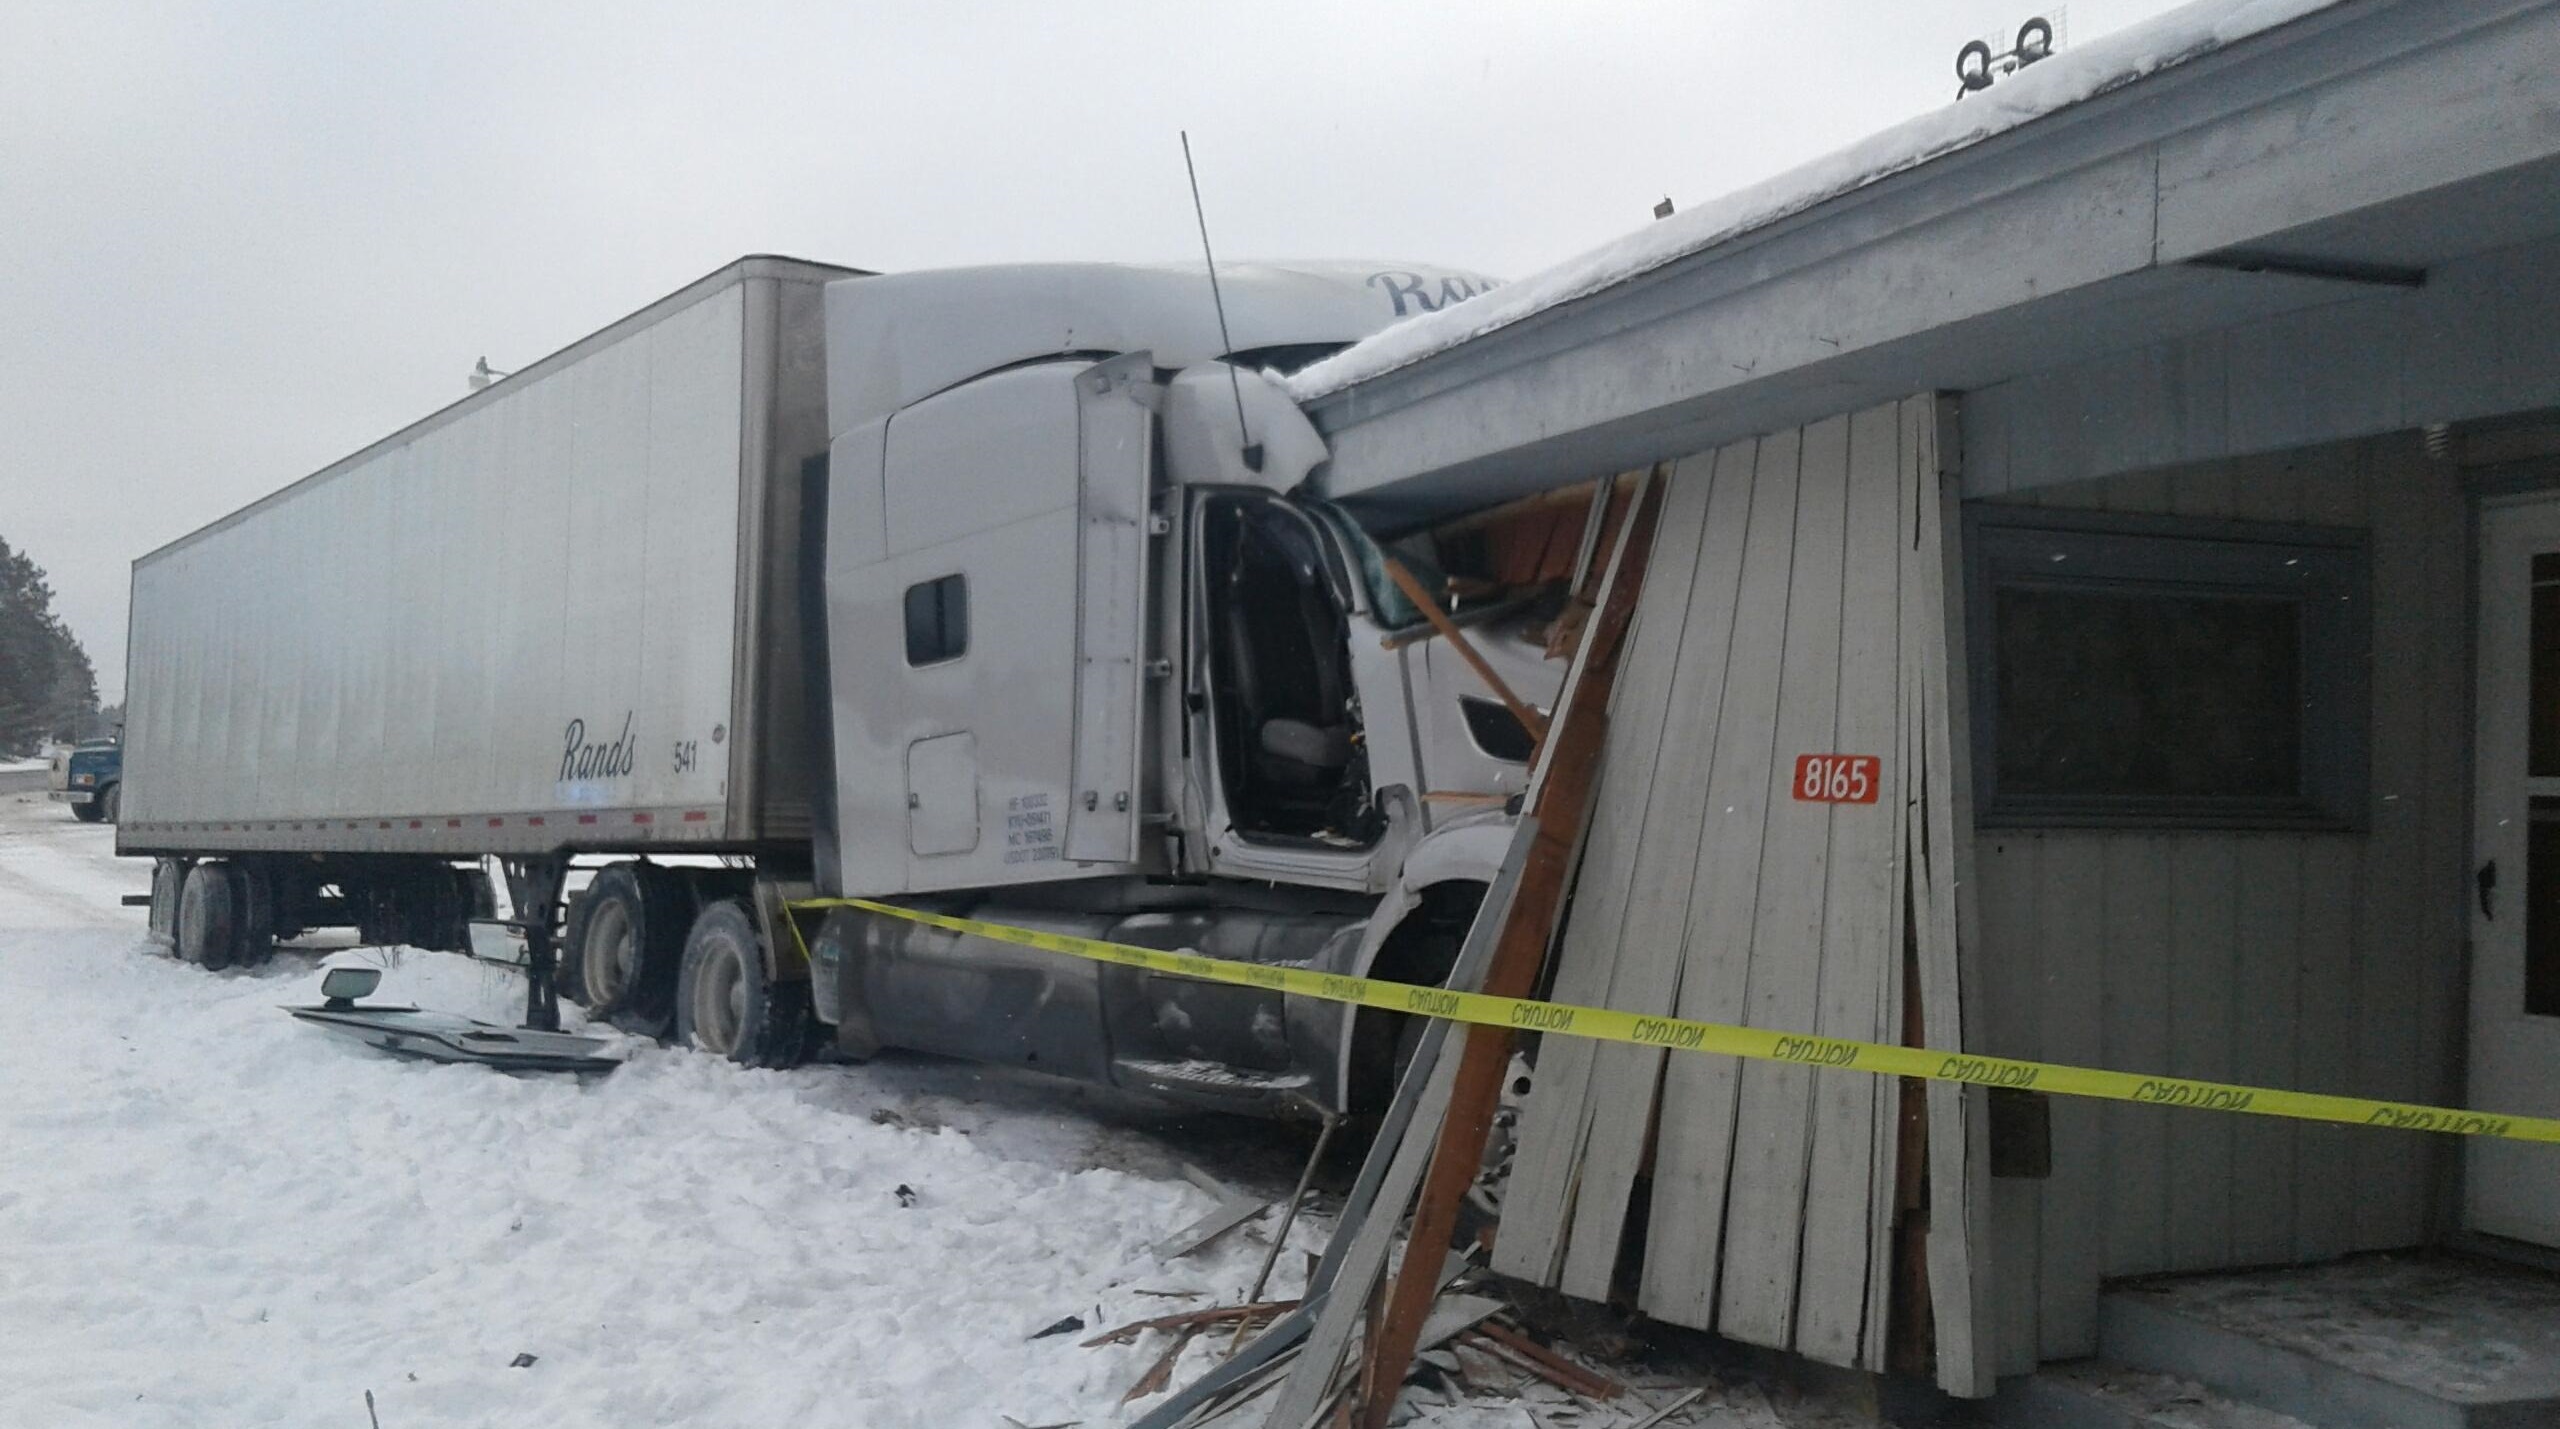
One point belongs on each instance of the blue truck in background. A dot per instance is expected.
(89, 777)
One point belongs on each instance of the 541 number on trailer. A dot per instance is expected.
(1838, 778)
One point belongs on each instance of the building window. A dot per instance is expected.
(2165, 672)
(937, 620)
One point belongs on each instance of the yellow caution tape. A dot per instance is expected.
(1679, 1034)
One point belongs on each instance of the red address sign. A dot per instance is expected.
(1838, 778)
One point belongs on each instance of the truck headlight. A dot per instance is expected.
(84, 779)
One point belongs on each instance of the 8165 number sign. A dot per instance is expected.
(1838, 778)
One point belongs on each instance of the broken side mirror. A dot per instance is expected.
(343, 986)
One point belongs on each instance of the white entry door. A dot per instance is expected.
(2515, 909)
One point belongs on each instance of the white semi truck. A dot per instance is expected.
(994, 591)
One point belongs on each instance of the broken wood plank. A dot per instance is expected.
(1550, 1366)
(1365, 1230)
(1199, 1233)
(1429, 605)
(1288, 1218)
(1666, 1411)
(1188, 1318)
(1162, 1370)
(1563, 801)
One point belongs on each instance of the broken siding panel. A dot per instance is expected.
(1842, 1241)
(1764, 1202)
(1772, 1212)
(1556, 1123)
(1627, 1080)
(1684, 1248)
(1949, 940)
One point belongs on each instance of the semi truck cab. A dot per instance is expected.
(1098, 663)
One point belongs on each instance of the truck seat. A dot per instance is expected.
(1305, 755)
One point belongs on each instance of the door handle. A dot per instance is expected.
(2487, 880)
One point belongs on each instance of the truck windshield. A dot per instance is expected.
(1520, 555)
(1386, 602)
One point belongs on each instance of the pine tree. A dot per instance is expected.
(47, 687)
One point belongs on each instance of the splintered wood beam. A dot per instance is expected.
(1530, 719)
(1563, 800)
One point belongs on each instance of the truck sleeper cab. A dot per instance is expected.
(1094, 672)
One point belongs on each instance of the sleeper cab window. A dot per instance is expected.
(938, 620)
(2165, 672)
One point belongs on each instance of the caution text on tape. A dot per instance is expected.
(1758, 1044)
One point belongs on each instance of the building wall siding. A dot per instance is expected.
(2328, 962)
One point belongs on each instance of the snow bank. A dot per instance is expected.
(2065, 79)
(210, 1214)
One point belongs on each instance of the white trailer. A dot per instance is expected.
(559, 613)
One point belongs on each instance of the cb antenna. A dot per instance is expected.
(1252, 449)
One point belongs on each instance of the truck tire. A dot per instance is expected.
(168, 881)
(212, 913)
(257, 939)
(111, 803)
(1422, 951)
(727, 1002)
(89, 813)
(625, 945)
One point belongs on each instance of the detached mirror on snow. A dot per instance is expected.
(344, 985)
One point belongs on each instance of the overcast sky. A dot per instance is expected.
(238, 241)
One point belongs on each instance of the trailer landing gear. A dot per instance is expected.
(534, 884)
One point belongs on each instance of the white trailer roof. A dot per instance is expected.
(897, 339)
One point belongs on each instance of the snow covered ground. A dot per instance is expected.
(213, 1215)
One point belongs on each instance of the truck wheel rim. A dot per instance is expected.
(612, 947)
(720, 1000)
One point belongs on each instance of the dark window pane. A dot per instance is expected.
(2116, 694)
(937, 616)
(2542, 909)
(1496, 730)
(2542, 720)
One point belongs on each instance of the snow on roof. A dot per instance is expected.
(2065, 79)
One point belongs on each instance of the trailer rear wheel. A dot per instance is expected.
(168, 882)
(212, 910)
(626, 942)
(726, 1001)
